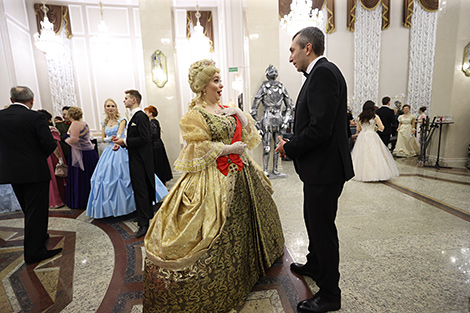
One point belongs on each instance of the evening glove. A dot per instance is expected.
(235, 148)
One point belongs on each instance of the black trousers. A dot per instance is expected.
(320, 207)
(144, 194)
(34, 201)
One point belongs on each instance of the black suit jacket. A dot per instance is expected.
(139, 144)
(25, 144)
(387, 115)
(319, 147)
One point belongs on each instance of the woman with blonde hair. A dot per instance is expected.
(111, 189)
(82, 160)
(218, 230)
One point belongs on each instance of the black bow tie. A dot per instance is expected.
(305, 74)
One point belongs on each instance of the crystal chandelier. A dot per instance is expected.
(300, 16)
(199, 44)
(103, 31)
(47, 41)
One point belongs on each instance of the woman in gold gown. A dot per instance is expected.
(218, 230)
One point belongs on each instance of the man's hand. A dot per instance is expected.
(116, 147)
(280, 146)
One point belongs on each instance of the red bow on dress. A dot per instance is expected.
(224, 162)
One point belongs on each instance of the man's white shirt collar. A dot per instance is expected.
(312, 64)
(134, 111)
(18, 103)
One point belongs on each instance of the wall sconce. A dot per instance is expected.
(159, 70)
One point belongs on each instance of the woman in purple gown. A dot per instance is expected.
(82, 160)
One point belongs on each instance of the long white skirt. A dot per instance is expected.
(371, 159)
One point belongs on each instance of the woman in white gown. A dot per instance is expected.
(372, 160)
(406, 141)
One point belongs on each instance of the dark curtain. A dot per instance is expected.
(57, 15)
(284, 9)
(428, 5)
(206, 22)
(369, 5)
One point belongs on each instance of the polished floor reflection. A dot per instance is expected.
(404, 244)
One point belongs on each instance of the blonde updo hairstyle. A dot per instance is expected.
(106, 120)
(200, 74)
(75, 113)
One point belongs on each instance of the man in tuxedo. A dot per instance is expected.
(139, 144)
(25, 144)
(387, 115)
(321, 157)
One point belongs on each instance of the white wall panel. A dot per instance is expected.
(16, 10)
(137, 29)
(23, 60)
(113, 73)
(76, 19)
(117, 20)
(83, 82)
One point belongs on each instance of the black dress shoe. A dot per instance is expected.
(142, 231)
(47, 255)
(317, 305)
(302, 269)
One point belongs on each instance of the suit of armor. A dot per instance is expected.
(276, 117)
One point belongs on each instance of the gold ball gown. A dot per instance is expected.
(215, 235)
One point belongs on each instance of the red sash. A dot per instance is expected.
(224, 162)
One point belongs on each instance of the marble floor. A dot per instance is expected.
(404, 245)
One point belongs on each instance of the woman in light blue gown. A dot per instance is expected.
(111, 190)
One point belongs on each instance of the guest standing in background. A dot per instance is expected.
(111, 190)
(25, 144)
(82, 160)
(371, 158)
(322, 160)
(421, 119)
(139, 145)
(57, 193)
(160, 159)
(406, 142)
(63, 127)
(387, 116)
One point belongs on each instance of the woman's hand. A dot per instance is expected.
(237, 147)
(234, 111)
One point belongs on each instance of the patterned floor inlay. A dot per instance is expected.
(101, 270)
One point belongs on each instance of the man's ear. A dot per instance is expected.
(309, 48)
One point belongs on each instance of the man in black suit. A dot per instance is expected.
(139, 144)
(25, 144)
(387, 115)
(321, 157)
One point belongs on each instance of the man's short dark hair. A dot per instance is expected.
(385, 100)
(136, 94)
(314, 36)
(21, 94)
(65, 108)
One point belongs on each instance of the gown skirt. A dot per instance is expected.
(8, 200)
(372, 160)
(111, 191)
(78, 181)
